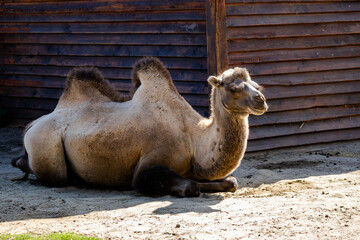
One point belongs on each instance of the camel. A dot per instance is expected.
(155, 143)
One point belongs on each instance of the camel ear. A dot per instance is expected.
(214, 81)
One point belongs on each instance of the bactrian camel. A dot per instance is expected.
(155, 143)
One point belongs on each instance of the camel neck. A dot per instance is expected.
(223, 142)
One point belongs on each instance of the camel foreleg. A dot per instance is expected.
(160, 180)
(228, 184)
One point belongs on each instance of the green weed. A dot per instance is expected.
(48, 236)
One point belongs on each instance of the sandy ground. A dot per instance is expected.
(289, 194)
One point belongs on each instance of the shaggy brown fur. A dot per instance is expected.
(91, 77)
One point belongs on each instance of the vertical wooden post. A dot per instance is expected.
(217, 60)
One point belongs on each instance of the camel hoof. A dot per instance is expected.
(230, 184)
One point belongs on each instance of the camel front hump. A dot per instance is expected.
(45, 150)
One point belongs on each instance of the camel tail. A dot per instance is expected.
(91, 77)
(22, 161)
(152, 65)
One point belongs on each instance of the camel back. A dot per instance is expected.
(91, 77)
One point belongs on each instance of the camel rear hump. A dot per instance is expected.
(86, 81)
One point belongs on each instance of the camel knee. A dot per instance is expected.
(160, 180)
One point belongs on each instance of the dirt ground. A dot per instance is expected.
(288, 194)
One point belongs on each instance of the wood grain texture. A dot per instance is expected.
(104, 50)
(96, 17)
(229, 2)
(285, 55)
(54, 93)
(110, 73)
(98, 6)
(304, 115)
(299, 78)
(100, 61)
(295, 30)
(304, 139)
(290, 8)
(106, 28)
(308, 42)
(41, 41)
(310, 65)
(255, 20)
(105, 39)
(268, 131)
(293, 103)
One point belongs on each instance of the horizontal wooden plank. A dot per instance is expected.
(293, 54)
(255, 20)
(28, 103)
(309, 77)
(292, 43)
(55, 93)
(291, 8)
(303, 139)
(16, 122)
(103, 50)
(126, 62)
(105, 39)
(25, 114)
(141, 16)
(293, 103)
(229, 2)
(47, 102)
(100, 28)
(305, 115)
(295, 30)
(36, 81)
(109, 73)
(302, 66)
(100, 6)
(120, 85)
(30, 92)
(22, 117)
(279, 92)
(278, 130)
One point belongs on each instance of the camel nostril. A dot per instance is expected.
(259, 98)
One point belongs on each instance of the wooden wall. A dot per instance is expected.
(41, 40)
(307, 56)
(305, 53)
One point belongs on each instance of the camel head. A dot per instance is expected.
(238, 93)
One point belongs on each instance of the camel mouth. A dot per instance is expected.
(258, 111)
(249, 110)
(232, 110)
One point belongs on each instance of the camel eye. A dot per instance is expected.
(233, 90)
